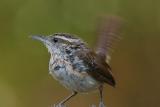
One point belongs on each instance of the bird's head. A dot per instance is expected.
(58, 42)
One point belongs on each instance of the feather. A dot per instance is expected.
(108, 35)
(97, 68)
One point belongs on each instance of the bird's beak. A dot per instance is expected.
(40, 38)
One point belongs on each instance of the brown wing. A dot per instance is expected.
(103, 72)
(108, 34)
(97, 68)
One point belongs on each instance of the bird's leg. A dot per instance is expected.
(61, 104)
(67, 98)
(101, 104)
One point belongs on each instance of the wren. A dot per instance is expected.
(78, 67)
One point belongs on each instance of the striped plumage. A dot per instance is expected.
(78, 67)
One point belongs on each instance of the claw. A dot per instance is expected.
(101, 104)
(58, 105)
(93, 105)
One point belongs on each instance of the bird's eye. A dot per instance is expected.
(55, 40)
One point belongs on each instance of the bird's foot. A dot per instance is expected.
(59, 105)
(101, 104)
(93, 105)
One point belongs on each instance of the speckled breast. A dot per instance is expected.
(75, 77)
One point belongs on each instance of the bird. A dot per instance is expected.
(78, 67)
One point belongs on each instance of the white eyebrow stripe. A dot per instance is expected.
(67, 39)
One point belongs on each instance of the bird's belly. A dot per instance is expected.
(74, 80)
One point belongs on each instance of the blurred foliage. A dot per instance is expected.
(24, 78)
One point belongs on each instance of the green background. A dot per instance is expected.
(24, 78)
